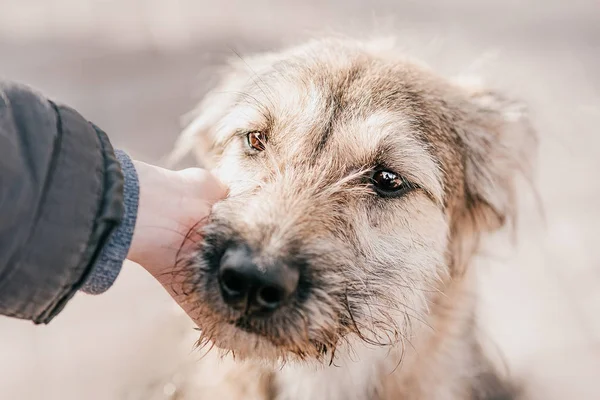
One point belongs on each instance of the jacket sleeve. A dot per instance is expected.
(61, 197)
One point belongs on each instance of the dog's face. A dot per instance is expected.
(359, 183)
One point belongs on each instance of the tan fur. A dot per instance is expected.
(389, 309)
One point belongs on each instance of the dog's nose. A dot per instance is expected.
(245, 286)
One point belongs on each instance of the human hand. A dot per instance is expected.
(172, 204)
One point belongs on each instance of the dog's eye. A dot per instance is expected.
(257, 140)
(390, 184)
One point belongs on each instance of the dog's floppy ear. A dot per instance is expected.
(202, 124)
(499, 145)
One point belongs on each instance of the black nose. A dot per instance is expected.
(248, 287)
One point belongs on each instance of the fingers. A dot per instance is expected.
(204, 185)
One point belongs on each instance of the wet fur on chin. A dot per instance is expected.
(385, 304)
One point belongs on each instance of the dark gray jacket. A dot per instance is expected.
(65, 219)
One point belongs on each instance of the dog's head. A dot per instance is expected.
(359, 182)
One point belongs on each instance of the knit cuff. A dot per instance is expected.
(114, 253)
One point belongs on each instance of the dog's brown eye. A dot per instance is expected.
(389, 184)
(257, 140)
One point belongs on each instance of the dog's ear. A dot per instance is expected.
(499, 145)
(202, 124)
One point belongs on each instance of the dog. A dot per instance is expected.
(360, 185)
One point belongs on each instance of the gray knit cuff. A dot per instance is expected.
(111, 258)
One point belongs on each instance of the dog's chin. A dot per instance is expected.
(246, 343)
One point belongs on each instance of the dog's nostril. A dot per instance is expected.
(270, 296)
(233, 282)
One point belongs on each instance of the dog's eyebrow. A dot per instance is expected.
(385, 140)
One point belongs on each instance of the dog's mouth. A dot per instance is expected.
(249, 339)
(316, 348)
(245, 324)
(284, 335)
(277, 331)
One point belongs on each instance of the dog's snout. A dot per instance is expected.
(246, 286)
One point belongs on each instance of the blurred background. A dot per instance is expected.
(135, 66)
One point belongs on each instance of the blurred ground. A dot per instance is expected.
(133, 67)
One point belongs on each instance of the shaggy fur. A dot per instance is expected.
(385, 307)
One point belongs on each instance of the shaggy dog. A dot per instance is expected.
(360, 185)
